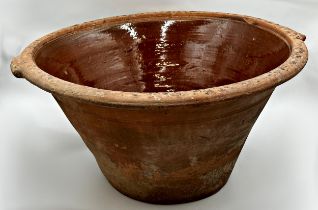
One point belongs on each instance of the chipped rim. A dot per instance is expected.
(24, 65)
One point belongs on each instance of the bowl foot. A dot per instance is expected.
(174, 199)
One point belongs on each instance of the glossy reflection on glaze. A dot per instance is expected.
(159, 56)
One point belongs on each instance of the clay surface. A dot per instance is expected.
(168, 154)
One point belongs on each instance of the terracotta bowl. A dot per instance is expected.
(165, 101)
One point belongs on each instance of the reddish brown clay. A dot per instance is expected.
(165, 101)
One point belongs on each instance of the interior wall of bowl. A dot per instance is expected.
(164, 55)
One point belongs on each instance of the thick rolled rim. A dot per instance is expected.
(24, 66)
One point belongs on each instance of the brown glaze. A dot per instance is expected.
(165, 55)
(165, 101)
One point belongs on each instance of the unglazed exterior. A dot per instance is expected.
(164, 101)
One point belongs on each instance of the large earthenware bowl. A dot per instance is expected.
(165, 101)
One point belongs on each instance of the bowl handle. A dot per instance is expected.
(16, 68)
(300, 36)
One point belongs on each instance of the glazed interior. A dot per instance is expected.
(164, 55)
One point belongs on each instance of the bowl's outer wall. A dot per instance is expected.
(166, 154)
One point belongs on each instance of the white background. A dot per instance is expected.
(45, 166)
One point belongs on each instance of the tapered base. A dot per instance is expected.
(169, 200)
(171, 190)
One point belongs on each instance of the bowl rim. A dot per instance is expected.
(24, 65)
